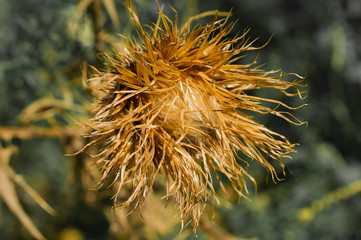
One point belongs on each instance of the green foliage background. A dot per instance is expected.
(45, 43)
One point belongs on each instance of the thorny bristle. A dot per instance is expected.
(174, 104)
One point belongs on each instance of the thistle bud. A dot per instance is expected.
(175, 104)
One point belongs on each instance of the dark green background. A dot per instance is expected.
(317, 39)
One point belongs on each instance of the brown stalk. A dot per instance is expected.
(8, 133)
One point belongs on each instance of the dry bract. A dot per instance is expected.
(174, 104)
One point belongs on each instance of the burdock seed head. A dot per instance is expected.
(175, 104)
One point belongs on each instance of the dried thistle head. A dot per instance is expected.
(174, 104)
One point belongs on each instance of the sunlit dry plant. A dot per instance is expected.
(175, 104)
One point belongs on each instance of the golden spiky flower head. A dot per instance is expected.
(174, 105)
